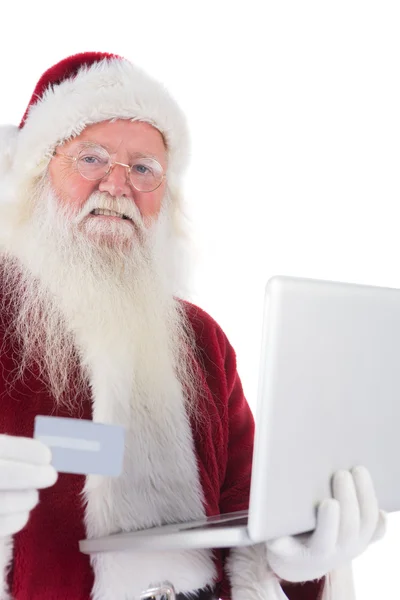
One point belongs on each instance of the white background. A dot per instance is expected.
(294, 113)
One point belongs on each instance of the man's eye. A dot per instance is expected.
(90, 160)
(142, 169)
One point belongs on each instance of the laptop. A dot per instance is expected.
(329, 399)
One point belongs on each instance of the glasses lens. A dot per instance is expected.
(93, 162)
(146, 174)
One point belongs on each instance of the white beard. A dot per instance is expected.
(110, 310)
(108, 307)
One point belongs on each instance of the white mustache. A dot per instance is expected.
(102, 200)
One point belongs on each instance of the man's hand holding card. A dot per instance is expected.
(60, 445)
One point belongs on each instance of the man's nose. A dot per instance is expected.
(116, 182)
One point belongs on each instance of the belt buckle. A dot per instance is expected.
(164, 590)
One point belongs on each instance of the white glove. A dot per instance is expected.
(346, 525)
(24, 469)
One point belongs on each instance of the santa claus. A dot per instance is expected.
(91, 328)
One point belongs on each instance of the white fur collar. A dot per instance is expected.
(160, 484)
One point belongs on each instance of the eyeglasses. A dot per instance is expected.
(94, 162)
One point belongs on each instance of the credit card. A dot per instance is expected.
(82, 447)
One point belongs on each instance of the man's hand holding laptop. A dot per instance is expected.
(346, 525)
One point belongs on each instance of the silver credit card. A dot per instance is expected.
(81, 446)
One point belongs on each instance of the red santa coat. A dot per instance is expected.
(46, 563)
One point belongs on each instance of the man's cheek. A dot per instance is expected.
(74, 193)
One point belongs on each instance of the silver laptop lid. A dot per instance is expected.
(329, 398)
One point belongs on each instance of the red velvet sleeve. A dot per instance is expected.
(234, 493)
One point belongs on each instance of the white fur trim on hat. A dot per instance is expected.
(9, 136)
(8, 142)
(108, 89)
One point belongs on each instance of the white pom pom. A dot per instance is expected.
(8, 143)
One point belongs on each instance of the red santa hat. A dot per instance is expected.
(88, 88)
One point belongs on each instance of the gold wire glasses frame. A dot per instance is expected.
(93, 172)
